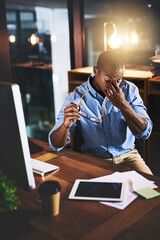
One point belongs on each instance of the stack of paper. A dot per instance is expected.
(134, 181)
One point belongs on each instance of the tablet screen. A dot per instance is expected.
(100, 191)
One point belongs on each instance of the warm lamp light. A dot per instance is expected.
(113, 41)
(33, 39)
(12, 38)
(134, 37)
(105, 36)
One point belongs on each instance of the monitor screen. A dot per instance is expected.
(14, 148)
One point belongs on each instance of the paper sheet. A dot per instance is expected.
(134, 181)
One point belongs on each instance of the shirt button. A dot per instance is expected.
(105, 118)
(107, 135)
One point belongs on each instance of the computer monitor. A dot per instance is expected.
(15, 159)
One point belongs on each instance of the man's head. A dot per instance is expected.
(111, 59)
(110, 68)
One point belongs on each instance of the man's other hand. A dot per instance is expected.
(71, 115)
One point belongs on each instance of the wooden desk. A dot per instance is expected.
(82, 220)
(138, 75)
(37, 65)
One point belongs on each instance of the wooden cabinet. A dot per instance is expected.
(138, 76)
(149, 88)
(153, 100)
(77, 76)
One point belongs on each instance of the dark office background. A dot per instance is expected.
(32, 65)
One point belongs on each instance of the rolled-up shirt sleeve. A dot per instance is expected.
(60, 119)
(56, 126)
(147, 132)
(140, 109)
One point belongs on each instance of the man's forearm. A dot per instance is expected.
(135, 122)
(59, 136)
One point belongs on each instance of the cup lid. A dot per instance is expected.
(49, 188)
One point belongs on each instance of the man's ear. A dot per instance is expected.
(95, 69)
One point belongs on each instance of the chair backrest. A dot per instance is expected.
(139, 145)
(76, 140)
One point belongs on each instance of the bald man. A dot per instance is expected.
(108, 112)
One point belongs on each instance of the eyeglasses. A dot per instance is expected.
(85, 115)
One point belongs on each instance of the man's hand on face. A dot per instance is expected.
(115, 95)
(71, 115)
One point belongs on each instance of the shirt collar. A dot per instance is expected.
(92, 90)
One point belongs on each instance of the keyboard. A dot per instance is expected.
(41, 168)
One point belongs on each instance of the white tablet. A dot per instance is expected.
(98, 191)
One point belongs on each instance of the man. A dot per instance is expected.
(108, 112)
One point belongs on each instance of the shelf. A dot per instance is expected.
(154, 93)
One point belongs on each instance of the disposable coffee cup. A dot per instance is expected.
(50, 196)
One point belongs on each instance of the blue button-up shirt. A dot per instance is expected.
(111, 137)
